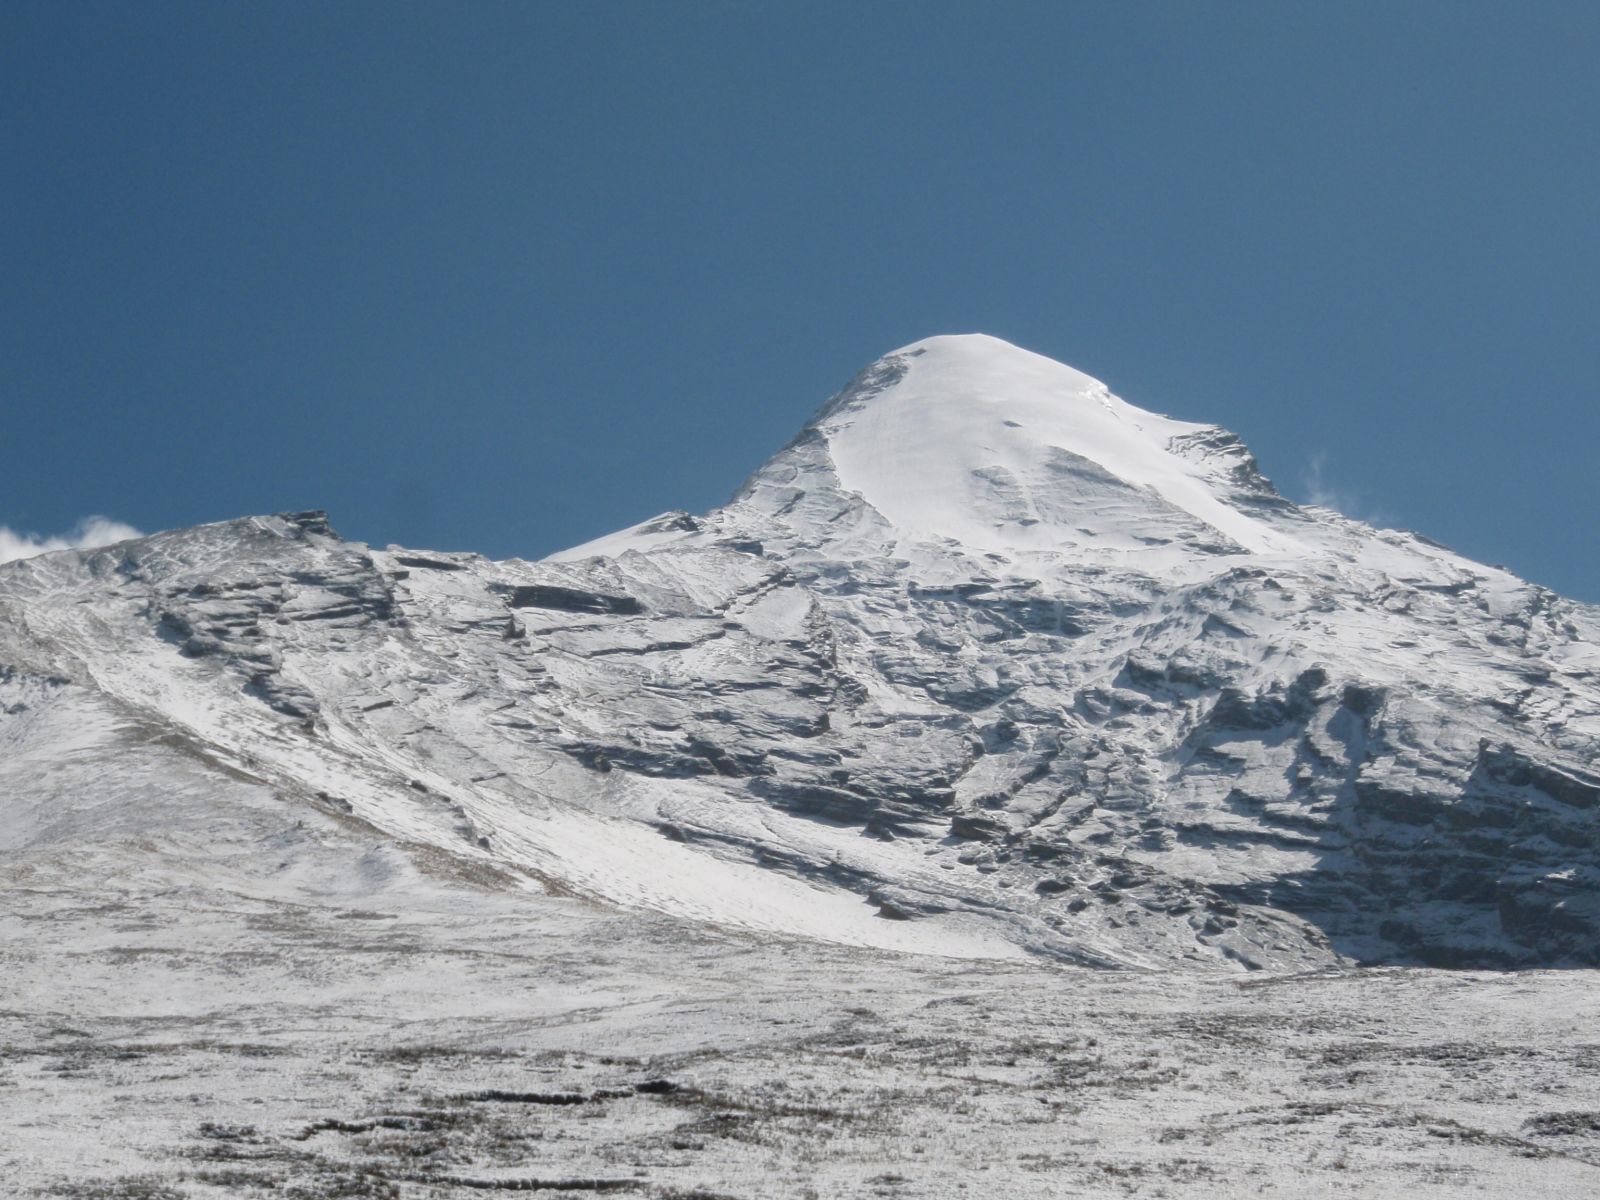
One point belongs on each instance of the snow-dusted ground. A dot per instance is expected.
(439, 1041)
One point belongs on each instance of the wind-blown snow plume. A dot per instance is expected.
(1322, 492)
(1318, 491)
(87, 534)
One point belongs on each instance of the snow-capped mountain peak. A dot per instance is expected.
(985, 660)
(969, 441)
(973, 439)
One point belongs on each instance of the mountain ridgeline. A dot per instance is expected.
(985, 662)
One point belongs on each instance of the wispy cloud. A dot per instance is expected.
(86, 535)
(1314, 483)
(1320, 490)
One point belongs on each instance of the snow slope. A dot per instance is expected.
(985, 662)
(1003, 450)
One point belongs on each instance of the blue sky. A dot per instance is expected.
(504, 277)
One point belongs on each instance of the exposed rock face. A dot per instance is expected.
(575, 600)
(984, 651)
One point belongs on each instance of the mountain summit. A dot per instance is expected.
(969, 440)
(985, 662)
(976, 441)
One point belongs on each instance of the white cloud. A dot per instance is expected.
(86, 535)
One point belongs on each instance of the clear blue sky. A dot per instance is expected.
(503, 277)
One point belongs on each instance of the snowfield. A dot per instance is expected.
(1007, 792)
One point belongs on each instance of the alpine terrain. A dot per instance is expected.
(986, 664)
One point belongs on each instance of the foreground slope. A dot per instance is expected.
(165, 1044)
(985, 662)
